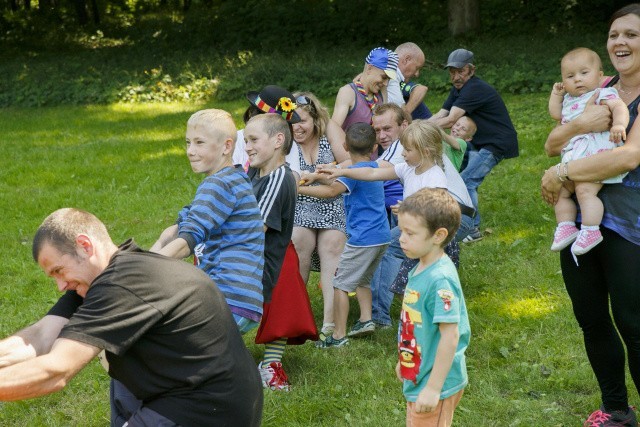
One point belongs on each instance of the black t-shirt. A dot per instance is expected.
(483, 104)
(169, 338)
(276, 194)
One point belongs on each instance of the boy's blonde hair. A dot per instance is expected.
(590, 54)
(219, 122)
(426, 138)
(273, 124)
(316, 110)
(473, 126)
(436, 209)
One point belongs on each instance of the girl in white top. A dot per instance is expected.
(423, 167)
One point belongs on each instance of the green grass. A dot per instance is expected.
(527, 365)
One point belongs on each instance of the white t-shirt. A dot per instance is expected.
(433, 177)
(455, 184)
(240, 156)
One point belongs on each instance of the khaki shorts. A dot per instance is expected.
(356, 267)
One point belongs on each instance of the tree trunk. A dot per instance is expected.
(95, 11)
(27, 4)
(81, 11)
(464, 16)
(14, 5)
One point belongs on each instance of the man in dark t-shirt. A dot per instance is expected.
(495, 139)
(167, 331)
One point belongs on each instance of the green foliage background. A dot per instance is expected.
(217, 50)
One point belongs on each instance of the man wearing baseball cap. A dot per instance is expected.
(495, 139)
(356, 101)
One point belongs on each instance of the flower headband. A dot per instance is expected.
(286, 107)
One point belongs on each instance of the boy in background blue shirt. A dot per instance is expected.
(367, 236)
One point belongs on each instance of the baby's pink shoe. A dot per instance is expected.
(566, 233)
(587, 240)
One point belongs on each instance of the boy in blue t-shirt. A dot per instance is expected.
(434, 325)
(368, 236)
(222, 226)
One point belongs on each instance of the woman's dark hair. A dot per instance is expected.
(251, 111)
(633, 8)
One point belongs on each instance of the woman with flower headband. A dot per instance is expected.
(319, 223)
(355, 101)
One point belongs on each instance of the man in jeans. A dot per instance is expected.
(496, 138)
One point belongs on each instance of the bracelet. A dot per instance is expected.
(558, 174)
(562, 171)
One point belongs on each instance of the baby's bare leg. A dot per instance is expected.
(565, 208)
(590, 204)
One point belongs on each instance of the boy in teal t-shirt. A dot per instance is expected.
(455, 145)
(434, 328)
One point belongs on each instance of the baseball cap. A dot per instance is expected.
(385, 59)
(459, 58)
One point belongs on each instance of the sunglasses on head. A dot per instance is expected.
(303, 100)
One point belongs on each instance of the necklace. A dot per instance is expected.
(625, 91)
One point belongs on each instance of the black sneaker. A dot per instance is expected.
(602, 418)
(361, 329)
(473, 236)
(330, 342)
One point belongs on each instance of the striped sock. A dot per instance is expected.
(274, 350)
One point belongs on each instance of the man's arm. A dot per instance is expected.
(178, 248)
(45, 374)
(361, 174)
(445, 119)
(168, 235)
(344, 102)
(416, 97)
(32, 341)
(429, 396)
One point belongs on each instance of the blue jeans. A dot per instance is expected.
(382, 279)
(479, 164)
(466, 226)
(127, 410)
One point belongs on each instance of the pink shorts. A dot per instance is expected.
(442, 416)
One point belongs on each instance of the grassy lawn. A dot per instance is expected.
(126, 164)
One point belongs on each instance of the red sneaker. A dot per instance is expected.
(273, 376)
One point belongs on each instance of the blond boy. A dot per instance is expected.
(434, 326)
(222, 226)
